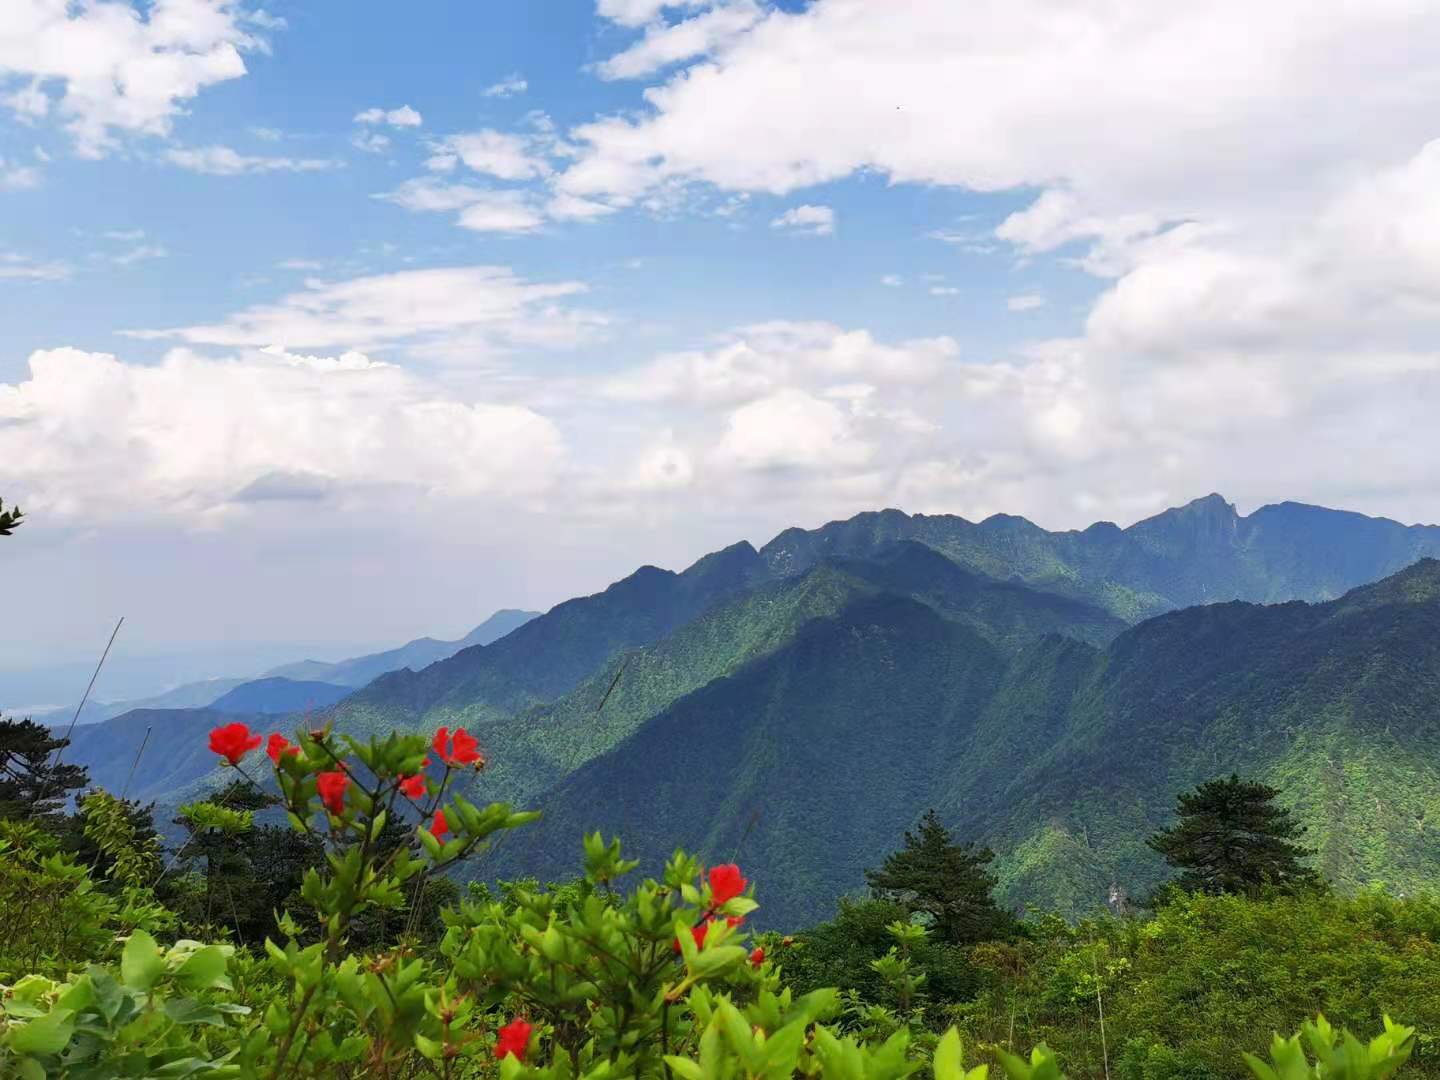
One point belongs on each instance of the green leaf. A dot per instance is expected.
(205, 970)
(947, 1057)
(48, 1034)
(141, 963)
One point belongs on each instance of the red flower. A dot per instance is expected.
(514, 1037)
(733, 921)
(233, 742)
(278, 745)
(331, 788)
(696, 932)
(725, 883)
(413, 787)
(757, 957)
(439, 827)
(461, 749)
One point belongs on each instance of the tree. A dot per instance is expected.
(9, 519)
(946, 880)
(32, 785)
(1231, 838)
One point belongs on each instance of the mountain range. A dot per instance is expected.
(298, 685)
(799, 705)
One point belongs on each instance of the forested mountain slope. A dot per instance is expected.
(1064, 757)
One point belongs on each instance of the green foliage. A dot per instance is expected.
(945, 881)
(1232, 838)
(9, 519)
(34, 784)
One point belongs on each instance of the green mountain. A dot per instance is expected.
(811, 761)
(805, 702)
(548, 656)
(545, 742)
(1199, 553)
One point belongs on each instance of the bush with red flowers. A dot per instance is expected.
(587, 982)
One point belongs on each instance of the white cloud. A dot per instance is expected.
(480, 209)
(403, 117)
(892, 281)
(492, 153)
(464, 314)
(372, 142)
(91, 435)
(139, 253)
(791, 429)
(571, 208)
(664, 45)
(806, 220)
(944, 290)
(17, 267)
(125, 236)
(768, 358)
(18, 177)
(509, 86)
(109, 67)
(640, 12)
(225, 161)
(1025, 302)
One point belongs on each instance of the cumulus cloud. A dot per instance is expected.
(639, 12)
(767, 358)
(1266, 276)
(479, 209)
(664, 45)
(806, 220)
(90, 434)
(491, 153)
(403, 117)
(225, 161)
(465, 312)
(112, 67)
(1025, 302)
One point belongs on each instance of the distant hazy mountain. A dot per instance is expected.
(270, 696)
(422, 652)
(357, 671)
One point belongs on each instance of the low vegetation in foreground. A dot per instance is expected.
(116, 961)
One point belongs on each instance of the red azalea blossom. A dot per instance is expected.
(460, 749)
(278, 745)
(413, 787)
(331, 788)
(439, 827)
(733, 921)
(513, 1038)
(233, 742)
(696, 932)
(725, 883)
(757, 957)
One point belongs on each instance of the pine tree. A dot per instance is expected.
(9, 519)
(32, 786)
(948, 881)
(1232, 838)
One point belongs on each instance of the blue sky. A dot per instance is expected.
(341, 324)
